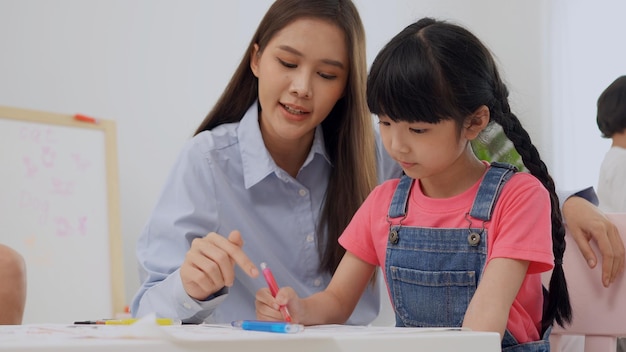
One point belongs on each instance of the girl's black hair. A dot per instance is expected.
(434, 70)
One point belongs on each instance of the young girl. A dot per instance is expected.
(461, 242)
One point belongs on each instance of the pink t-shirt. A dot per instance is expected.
(520, 228)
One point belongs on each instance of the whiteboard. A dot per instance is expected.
(59, 209)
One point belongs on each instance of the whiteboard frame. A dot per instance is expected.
(111, 164)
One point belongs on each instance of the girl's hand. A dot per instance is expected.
(209, 264)
(268, 307)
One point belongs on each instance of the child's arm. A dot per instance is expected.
(489, 308)
(331, 306)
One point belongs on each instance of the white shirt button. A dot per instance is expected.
(302, 192)
(317, 282)
(187, 305)
(310, 238)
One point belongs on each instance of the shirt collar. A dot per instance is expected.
(257, 163)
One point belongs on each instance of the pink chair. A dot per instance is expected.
(599, 313)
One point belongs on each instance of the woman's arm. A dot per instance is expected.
(585, 222)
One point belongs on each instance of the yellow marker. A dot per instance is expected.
(129, 321)
(160, 321)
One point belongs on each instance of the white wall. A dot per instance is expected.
(156, 67)
(588, 53)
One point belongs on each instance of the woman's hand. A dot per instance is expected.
(586, 222)
(209, 264)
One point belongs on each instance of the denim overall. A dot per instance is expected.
(433, 273)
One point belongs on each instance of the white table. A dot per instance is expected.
(329, 338)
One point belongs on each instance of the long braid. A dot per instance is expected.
(558, 307)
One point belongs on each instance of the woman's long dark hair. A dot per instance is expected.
(348, 132)
(434, 70)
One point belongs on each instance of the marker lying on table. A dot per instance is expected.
(268, 326)
(159, 321)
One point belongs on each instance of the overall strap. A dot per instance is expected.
(490, 188)
(400, 198)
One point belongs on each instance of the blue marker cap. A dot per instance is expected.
(268, 326)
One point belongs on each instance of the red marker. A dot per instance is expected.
(84, 118)
(271, 283)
